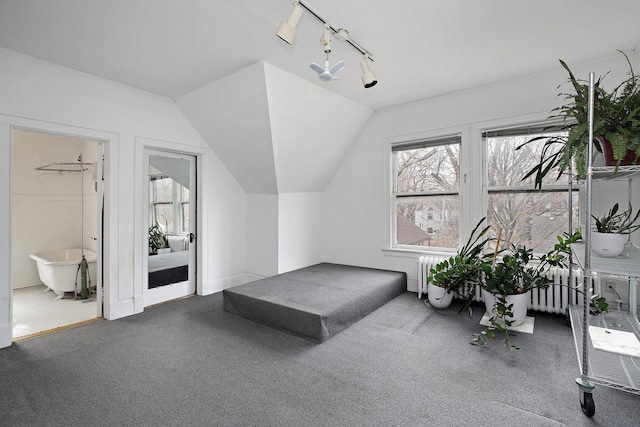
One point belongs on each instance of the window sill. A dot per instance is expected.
(415, 253)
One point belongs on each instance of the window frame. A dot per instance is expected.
(397, 196)
(473, 191)
(177, 203)
(389, 245)
(531, 129)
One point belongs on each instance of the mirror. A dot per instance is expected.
(169, 220)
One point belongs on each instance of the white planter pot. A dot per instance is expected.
(519, 309)
(608, 244)
(489, 302)
(438, 297)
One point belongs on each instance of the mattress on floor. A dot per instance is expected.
(168, 268)
(315, 302)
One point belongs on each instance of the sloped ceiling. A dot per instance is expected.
(422, 48)
(232, 116)
(275, 132)
(176, 169)
(311, 130)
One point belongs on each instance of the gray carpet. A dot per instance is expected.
(315, 302)
(190, 363)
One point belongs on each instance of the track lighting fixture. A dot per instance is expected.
(368, 77)
(288, 29)
(327, 73)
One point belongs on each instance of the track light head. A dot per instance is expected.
(369, 78)
(288, 29)
(326, 39)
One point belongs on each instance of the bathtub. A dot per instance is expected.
(58, 269)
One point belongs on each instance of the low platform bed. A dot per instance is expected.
(165, 269)
(315, 302)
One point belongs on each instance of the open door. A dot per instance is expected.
(171, 222)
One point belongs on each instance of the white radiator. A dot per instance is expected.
(554, 299)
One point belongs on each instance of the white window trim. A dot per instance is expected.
(176, 206)
(473, 185)
(477, 130)
(389, 213)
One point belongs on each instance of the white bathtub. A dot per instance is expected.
(58, 268)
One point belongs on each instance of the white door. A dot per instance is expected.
(171, 222)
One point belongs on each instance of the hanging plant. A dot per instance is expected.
(616, 126)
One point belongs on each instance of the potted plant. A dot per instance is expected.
(616, 127)
(158, 239)
(460, 273)
(502, 280)
(612, 230)
(507, 283)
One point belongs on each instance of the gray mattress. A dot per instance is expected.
(168, 260)
(315, 302)
(165, 269)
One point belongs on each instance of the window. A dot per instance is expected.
(435, 202)
(426, 192)
(169, 204)
(526, 217)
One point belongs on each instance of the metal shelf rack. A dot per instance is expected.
(607, 368)
(615, 364)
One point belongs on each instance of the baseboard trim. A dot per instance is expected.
(213, 286)
(124, 308)
(412, 284)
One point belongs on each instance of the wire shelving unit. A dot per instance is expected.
(606, 343)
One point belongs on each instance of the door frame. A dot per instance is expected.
(104, 262)
(141, 250)
(179, 289)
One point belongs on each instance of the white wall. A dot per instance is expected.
(300, 225)
(262, 234)
(284, 232)
(47, 210)
(38, 95)
(355, 199)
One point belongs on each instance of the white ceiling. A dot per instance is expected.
(422, 48)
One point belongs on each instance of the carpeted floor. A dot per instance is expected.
(189, 362)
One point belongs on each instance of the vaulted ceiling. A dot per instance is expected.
(274, 131)
(186, 50)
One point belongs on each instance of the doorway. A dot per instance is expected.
(57, 208)
(171, 226)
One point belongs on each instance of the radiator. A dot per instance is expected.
(554, 299)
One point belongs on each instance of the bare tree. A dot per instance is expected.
(430, 169)
(526, 218)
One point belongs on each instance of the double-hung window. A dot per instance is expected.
(169, 204)
(425, 196)
(524, 216)
(426, 191)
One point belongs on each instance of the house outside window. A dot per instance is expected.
(426, 192)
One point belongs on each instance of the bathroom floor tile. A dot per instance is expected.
(35, 310)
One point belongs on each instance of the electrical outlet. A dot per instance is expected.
(613, 288)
